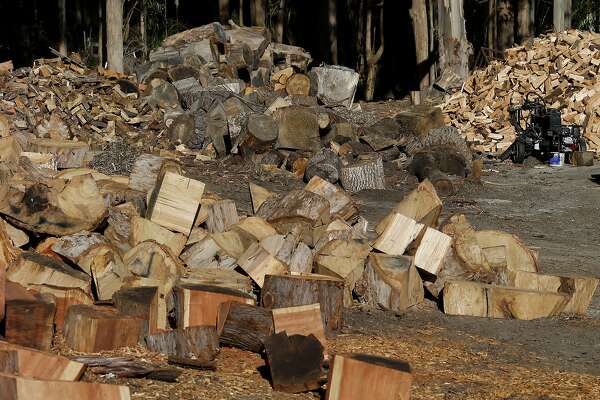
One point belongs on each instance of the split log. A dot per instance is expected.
(300, 205)
(221, 216)
(399, 232)
(302, 259)
(142, 230)
(363, 174)
(298, 129)
(67, 153)
(300, 320)
(140, 302)
(432, 250)
(17, 237)
(419, 120)
(257, 227)
(280, 291)
(36, 364)
(64, 298)
(175, 202)
(244, 326)
(8, 253)
(295, 362)
(90, 329)
(123, 367)
(10, 149)
(198, 305)
(145, 171)
(73, 246)
(393, 282)
(482, 300)
(20, 388)
(202, 254)
(234, 242)
(581, 289)
(362, 376)
(9, 363)
(218, 277)
(324, 164)
(503, 250)
(260, 133)
(29, 317)
(258, 195)
(197, 342)
(103, 262)
(258, 262)
(298, 85)
(335, 85)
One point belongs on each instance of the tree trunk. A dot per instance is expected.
(280, 23)
(224, 10)
(62, 18)
(258, 12)
(372, 57)
(506, 25)
(526, 20)
(333, 46)
(241, 13)
(418, 14)
(114, 33)
(143, 31)
(454, 47)
(492, 31)
(559, 15)
(100, 35)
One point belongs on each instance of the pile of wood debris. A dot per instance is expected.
(563, 68)
(153, 258)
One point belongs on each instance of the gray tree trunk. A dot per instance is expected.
(114, 34)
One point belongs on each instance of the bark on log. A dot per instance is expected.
(244, 326)
(362, 175)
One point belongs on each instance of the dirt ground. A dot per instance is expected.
(554, 210)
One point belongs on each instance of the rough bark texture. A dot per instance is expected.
(244, 326)
(114, 34)
(364, 174)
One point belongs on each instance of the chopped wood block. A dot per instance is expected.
(363, 174)
(298, 85)
(17, 237)
(258, 262)
(41, 365)
(63, 299)
(104, 263)
(73, 246)
(218, 277)
(257, 227)
(394, 282)
(29, 317)
(142, 230)
(301, 205)
(10, 150)
(302, 259)
(244, 326)
(139, 302)
(298, 129)
(503, 250)
(481, 300)
(198, 305)
(581, 289)
(363, 376)
(201, 254)
(280, 291)
(295, 362)
(8, 254)
(399, 232)
(258, 195)
(145, 171)
(90, 329)
(222, 215)
(199, 342)
(233, 242)
(9, 364)
(176, 203)
(431, 252)
(582, 158)
(20, 388)
(300, 320)
(68, 153)
(340, 202)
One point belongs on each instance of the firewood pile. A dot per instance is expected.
(562, 68)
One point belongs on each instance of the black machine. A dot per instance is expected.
(540, 132)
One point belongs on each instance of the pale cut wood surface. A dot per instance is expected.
(398, 234)
(431, 251)
(300, 320)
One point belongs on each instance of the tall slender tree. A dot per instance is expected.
(62, 21)
(114, 34)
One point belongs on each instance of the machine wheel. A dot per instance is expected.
(519, 153)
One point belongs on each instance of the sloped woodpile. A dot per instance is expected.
(560, 67)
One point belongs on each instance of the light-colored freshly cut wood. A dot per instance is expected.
(90, 329)
(37, 364)
(257, 227)
(198, 305)
(258, 262)
(298, 85)
(8, 253)
(361, 376)
(302, 259)
(258, 195)
(340, 202)
(483, 300)
(146, 170)
(10, 149)
(233, 242)
(581, 289)
(218, 277)
(176, 203)
(222, 215)
(393, 282)
(63, 299)
(363, 174)
(300, 320)
(80, 199)
(142, 229)
(17, 236)
(103, 262)
(73, 246)
(300, 205)
(68, 153)
(504, 250)
(399, 232)
(201, 254)
(432, 249)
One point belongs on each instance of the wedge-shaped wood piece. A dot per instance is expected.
(222, 215)
(431, 251)
(20, 388)
(503, 250)
(218, 277)
(399, 232)
(244, 326)
(257, 227)
(176, 202)
(36, 364)
(280, 291)
(233, 242)
(140, 302)
(143, 229)
(202, 254)
(393, 281)
(482, 300)
(300, 205)
(258, 194)
(90, 329)
(581, 289)
(32, 268)
(199, 342)
(73, 246)
(300, 320)
(68, 154)
(29, 318)
(295, 362)
(302, 259)
(198, 305)
(340, 202)
(146, 170)
(17, 237)
(258, 262)
(8, 253)
(108, 270)
(364, 376)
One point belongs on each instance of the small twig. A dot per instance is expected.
(69, 59)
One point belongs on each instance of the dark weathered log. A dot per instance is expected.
(298, 129)
(325, 164)
(208, 365)
(140, 302)
(244, 326)
(123, 367)
(198, 342)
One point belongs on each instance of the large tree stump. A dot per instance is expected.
(244, 326)
(363, 174)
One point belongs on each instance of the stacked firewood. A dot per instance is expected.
(563, 68)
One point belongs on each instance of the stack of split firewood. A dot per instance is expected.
(563, 68)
